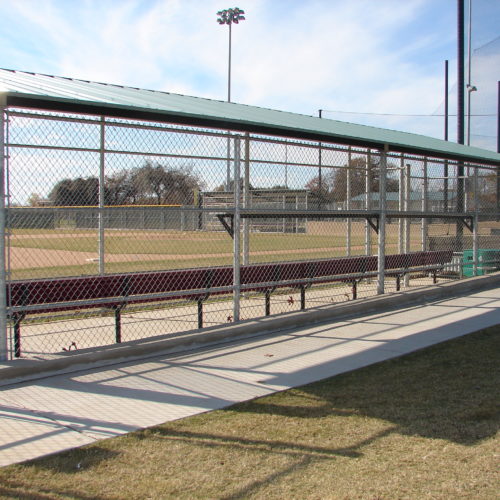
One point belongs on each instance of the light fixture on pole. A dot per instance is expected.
(470, 89)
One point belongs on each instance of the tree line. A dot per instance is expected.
(152, 183)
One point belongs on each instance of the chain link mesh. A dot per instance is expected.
(121, 230)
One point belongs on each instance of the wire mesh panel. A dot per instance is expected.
(120, 230)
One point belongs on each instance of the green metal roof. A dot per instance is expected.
(31, 90)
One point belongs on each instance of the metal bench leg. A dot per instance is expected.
(302, 297)
(200, 313)
(354, 290)
(434, 276)
(398, 283)
(118, 324)
(268, 302)
(17, 334)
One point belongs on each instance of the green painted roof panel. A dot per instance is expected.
(46, 92)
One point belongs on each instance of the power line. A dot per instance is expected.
(482, 135)
(396, 114)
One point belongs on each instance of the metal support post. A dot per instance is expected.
(228, 163)
(475, 230)
(246, 202)
(425, 206)
(382, 220)
(320, 178)
(118, 323)
(200, 312)
(237, 232)
(446, 123)
(283, 223)
(407, 222)
(102, 160)
(459, 243)
(16, 319)
(446, 186)
(348, 204)
(267, 305)
(498, 151)
(296, 208)
(460, 120)
(368, 202)
(401, 204)
(3, 217)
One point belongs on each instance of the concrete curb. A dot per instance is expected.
(17, 371)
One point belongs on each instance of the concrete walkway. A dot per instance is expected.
(66, 411)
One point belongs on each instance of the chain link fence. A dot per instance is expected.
(121, 230)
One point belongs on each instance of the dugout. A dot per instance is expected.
(52, 102)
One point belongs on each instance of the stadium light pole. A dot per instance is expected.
(460, 119)
(229, 16)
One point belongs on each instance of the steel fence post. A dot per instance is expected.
(283, 224)
(246, 200)
(348, 203)
(102, 160)
(401, 205)
(236, 232)
(368, 184)
(407, 223)
(3, 274)
(425, 206)
(381, 223)
(459, 243)
(475, 228)
(320, 177)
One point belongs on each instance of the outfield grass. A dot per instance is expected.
(136, 243)
(423, 426)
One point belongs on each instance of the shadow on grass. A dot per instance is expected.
(76, 460)
(19, 492)
(209, 440)
(71, 462)
(448, 391)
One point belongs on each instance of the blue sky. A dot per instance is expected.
(375, 56)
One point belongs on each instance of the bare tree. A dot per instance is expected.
(334, 181)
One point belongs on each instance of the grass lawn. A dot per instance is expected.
(421, 426)
(170, 243)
